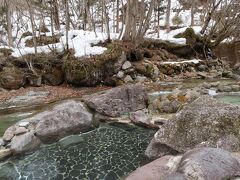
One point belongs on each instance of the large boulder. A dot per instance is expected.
(204, 123)
(199, 164)
(209, 163)
(12, 78)
(118, 101)
(156, 170)
(64, 119)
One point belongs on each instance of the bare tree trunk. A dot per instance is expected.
(85, 16)
(167, 22)
(133, 32)
(193, 6)
(31, 13)
(131, 18)
(106, 18)
(56, 15)
(67, 22)
(7, 4)
(209, 16)
(117, 19)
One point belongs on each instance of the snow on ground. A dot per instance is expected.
(195, 61)
(81, 41)
(169, 36)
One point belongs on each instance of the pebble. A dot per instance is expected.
(126, 65)
(128, 79)
(120, 74)
(23, 124)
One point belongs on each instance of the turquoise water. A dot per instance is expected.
(110, 152)
(230, 99)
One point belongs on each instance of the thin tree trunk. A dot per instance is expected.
(168, 13)
(31, 13)
(106, 18)
(192, 13)
(117, 18)
(209, 17)
(56, 15)
(7, 4)
(67, 22)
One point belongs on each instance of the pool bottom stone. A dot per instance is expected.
(110, 152)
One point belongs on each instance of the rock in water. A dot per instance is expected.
(140, 118)
(9, 134)
(118, 101)
(24, 143)
(66, 118)
(209, 164)
(204, 123)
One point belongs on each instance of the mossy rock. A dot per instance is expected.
(43, 40)
(26, 34)
(94, 70)
(5, 51)
(12, 78)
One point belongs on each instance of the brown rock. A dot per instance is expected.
(12, 78)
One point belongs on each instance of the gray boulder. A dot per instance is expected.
(196, 164)
(204, 123)
(156, 170)
(209, 164)
(118, 101)
(64, 119)
(24, 143)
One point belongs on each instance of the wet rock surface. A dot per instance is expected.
(28, 99)
(109, 152)
(118, 101)
(209, 163)
(156, 170)
(205, 122)
(24, 143)
(199, 164)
